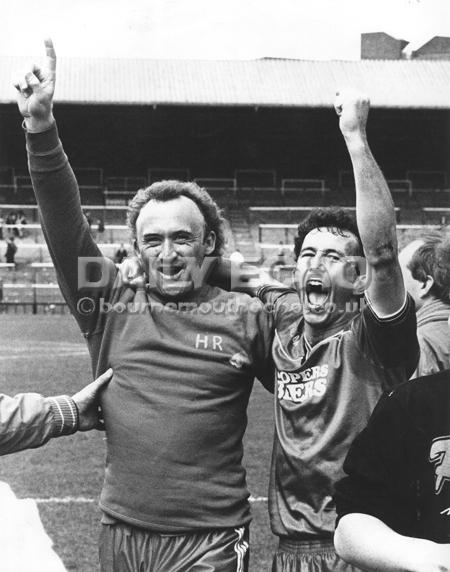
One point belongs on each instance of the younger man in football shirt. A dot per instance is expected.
(334, 352)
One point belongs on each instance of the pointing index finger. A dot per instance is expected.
(51, 57)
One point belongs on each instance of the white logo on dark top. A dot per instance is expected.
(440, 456)
(303, 385)
(206, 342)
(239, 360)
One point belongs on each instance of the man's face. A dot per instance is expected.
(413, 286)
(324, 276)
(172, 244)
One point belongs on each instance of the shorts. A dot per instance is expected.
(124, 548)
(308, 556)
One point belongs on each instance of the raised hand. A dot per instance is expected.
(35, 92)
(352, 108)
(132, 273)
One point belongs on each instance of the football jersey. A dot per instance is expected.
(323, 397)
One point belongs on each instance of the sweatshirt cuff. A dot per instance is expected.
(65, 415)
(42, 142)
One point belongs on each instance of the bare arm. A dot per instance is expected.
(366, 542)
(374, 207)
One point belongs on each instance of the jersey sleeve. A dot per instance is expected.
(376, 466)
(281, 302)
(260, 332)
(29, 420)
(390, 342)
(84, 274)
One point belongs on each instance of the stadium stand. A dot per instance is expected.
(267, 154)
(430, 187)
(119, 190)
(90, 181)
(346, 179)
(297, 186)
(286, 234)
(279, 214)
(402, 186)
(23, 189)
(427, 179)
(110, 214)
(7, 185)
(158, 174)
(257, 184)
(218, 188)
(437, 215)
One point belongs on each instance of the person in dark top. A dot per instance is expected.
(89, 218)
(21, 222)
(11, 219)
(425, 264)
(394, 504)
(100, 229)
(184, 354)
(11, 249)
(120, 254)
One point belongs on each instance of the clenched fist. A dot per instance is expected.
(353, 109)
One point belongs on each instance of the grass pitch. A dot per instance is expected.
(47, 354)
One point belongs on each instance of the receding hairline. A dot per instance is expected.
(172, 200)
(197, 209)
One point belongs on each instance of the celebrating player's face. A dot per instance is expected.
(325, 274)
(172, 243)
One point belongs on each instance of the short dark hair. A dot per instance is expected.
(432, 258)
(169, 190)
(336, 219)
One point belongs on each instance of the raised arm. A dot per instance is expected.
(36, 91)
(374, 207)
(65, 227)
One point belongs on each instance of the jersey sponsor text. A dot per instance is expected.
(303, 385)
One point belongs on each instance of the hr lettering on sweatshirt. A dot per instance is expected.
(303, 385)
(208, 342)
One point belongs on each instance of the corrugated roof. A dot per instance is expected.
(266, 82)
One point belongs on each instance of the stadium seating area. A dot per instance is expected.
(262, 208)
(415, 190)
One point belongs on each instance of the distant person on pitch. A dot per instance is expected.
(11, 250)
(120, 254)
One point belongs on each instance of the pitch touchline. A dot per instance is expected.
(88, 500)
